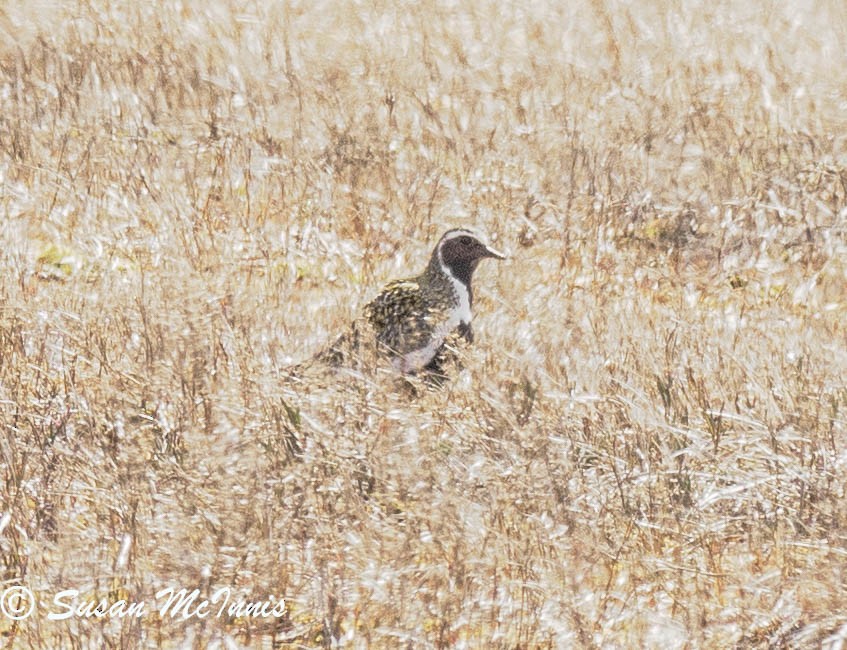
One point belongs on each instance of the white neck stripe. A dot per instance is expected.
(463, 310)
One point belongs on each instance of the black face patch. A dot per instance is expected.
(460, 254)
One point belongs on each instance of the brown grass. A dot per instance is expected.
(647, 448)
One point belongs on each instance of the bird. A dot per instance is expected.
(416, 322)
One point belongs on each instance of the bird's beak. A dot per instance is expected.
(493, 252)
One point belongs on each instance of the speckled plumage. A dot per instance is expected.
(415, 321)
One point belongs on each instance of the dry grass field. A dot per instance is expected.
(648, 444)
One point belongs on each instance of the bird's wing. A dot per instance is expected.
(402, 319)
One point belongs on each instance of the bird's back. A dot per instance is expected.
(402, 315)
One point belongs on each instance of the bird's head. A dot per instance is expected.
(459, 251)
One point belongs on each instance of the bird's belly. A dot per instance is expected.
(417, 359)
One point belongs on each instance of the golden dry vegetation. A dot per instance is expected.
(648, 444)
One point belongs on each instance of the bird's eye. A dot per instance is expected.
(466, 241)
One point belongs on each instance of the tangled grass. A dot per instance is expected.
(647, 446)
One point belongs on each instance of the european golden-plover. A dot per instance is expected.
(415, 322)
